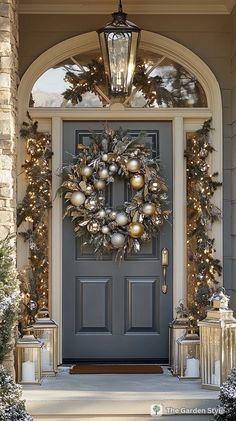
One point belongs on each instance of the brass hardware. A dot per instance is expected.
(165, 264)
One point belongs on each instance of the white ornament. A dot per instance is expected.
(77, 198)
(122, 219)
(102, 213)
(103, 173)
(104, 157)
(105, 229)
(117, 240)
(113, 168)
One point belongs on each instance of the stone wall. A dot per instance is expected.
(8, 118)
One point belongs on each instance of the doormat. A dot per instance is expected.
(116, 369)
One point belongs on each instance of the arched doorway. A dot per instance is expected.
(183, 120)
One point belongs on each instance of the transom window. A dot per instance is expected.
(80, 81)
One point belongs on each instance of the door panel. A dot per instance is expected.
(116, 311)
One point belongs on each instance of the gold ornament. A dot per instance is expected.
(149, 209)
(88, 189)
(99, 184)
(93, 227)
(77, 198)
(154, 186)
(117, 240)
(86, 171)
(136, 229)
(112, 215)
(103, 173)
(133, 165)
(91, 204)
(137, 181)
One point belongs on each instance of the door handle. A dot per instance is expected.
(165, 264)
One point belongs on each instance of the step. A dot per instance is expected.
(120, 396)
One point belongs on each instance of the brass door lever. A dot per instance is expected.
(165, 264)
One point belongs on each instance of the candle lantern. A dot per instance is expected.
(28, 359)
(177, 328)
(218, 342)
(189, 355)
(46, 330)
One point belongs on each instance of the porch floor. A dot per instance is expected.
(115, 396)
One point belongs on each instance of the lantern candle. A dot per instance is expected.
(192, 367)
(28, 372)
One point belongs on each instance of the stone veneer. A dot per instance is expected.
(8, 119)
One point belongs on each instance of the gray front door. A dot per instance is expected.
(115, 311)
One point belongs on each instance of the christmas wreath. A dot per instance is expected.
(111, 154)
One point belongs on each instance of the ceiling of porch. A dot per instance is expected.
(130, 6)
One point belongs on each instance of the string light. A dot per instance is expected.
(202, 267)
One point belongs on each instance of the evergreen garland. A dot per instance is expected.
(181, 85)
(203, 267)
(227, 409)
(33, 212)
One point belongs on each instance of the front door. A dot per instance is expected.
(117, 311)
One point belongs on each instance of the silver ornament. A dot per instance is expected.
(108, 211)
(149, 209)
(121, 219)
(103, 173)
(99, 184)
(117, 240)
(102, 213)
(133, 165)
(113, 168)
(77, 198)
(93, 227)
(91, 204)
(105, 229)
(86, 171)
(105, 157)
(113, 215)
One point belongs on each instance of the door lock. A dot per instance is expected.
(165, 264)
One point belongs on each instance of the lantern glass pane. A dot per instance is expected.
(118, 51)
(214, 355)
(46, 336)
(30, 365)
(190, 359)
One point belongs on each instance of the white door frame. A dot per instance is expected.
(183, 120)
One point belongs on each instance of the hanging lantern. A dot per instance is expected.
(119, 42)
(29, 359)
(218, 342)
(189, 355)
(46, 330)
(177, 328)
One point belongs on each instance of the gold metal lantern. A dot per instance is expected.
(29, 359)
(218, 342)
(189, 355)
(46, 330)
(177, 328)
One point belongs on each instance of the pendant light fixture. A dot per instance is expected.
(119, 41)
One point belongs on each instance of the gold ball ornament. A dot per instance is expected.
(86, 171)
(117, 240)
(122, 219)
(99, 184)
(154, 186)
(103, 173)
(91, 204)
(112, 215)
(77, 198)
(149, 209)
(133, 165)
(136, 229)
(137, 181)
(93, 227)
